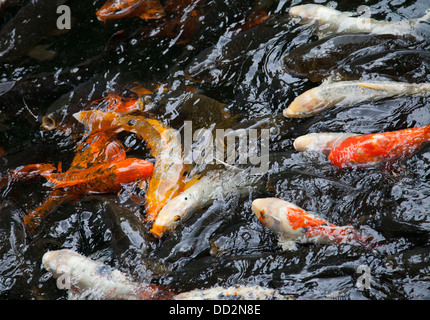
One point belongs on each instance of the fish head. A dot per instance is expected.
(305, 105)
(51, 121)
(205, 67)
(269, 212)
(96, 120)
(310, 61)
(322, 142)
(172, 214)
(310, 13)
(57, 261)
(296, 64)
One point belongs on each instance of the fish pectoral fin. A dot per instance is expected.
(287, 243)
(42, 53)
(372, 86)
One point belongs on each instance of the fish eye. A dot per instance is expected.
(131, 122)
(177, 218)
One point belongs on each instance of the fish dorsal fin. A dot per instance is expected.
(373, 86)
(327, 81)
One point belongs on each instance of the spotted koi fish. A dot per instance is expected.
(294, 224)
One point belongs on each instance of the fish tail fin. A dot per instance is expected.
(26, 173)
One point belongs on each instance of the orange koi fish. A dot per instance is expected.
(294, 224)
(100, 178)
(372, 149)
(123, 100)
(117, 9)
(167, 180)
(98, 147)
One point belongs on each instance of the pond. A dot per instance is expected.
(223, 243)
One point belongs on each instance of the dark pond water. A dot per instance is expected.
(224, 243)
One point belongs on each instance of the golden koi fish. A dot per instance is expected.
(164, 144)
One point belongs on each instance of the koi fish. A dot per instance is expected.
(397, 65)
(100, 178)
(349, 150)
(198, 193)
(293, 224)
(368, 150)
(329, 21)
(348, 93)
(98, 147)
(164, 144)
(90, 279)
(233, 292)
(85, 278)
(122, 100)
(117, 9)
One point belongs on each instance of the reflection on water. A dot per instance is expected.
(223, 243)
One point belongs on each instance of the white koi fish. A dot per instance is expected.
(349, 93)
(329, 21)
(85, 278)
(215, 185)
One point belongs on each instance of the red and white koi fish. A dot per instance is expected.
(360, 151)
(372, 149)
(293, 224)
